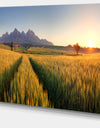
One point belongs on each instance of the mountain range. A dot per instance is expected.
(23, 38)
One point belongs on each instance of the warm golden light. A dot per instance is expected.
(91, 44)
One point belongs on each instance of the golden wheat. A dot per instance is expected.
(25, 87)
(77, 77)
(7, 59)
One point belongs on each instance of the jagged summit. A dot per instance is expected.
(15, 29)
(30, 32)
(23, 32)
(23, 38)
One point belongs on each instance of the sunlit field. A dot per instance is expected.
(25, 87)
(50, 56)
(8, 64)
(18, 81)
(48, 51)
(2, 46)
(59, 81)
(72, 82)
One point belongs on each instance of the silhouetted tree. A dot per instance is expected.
(11, 46)
(77, 48)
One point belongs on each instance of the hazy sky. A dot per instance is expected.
(62, 25)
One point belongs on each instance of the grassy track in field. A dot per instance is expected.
(25, 87)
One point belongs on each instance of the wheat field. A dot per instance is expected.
(8, 63)
(18, 81)
(59, 81)
(25, 87)
(72, 82)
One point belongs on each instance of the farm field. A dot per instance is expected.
(19, 49)
(48, 51)
(72, 82)
(9, 62)
(18, 81)
(59, 81)
(2, 46)
(50, 56)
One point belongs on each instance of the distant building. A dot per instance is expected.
(16, 45)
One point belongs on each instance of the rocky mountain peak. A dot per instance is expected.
(23, 38)
(30, 32)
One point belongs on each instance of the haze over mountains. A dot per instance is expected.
(23, 38)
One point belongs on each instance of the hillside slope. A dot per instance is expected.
(2, 46)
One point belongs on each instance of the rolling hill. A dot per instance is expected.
(4, 47)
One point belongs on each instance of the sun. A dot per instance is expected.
(91, 44)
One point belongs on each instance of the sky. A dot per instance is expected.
(62, 24)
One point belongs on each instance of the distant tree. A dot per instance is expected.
(11, 46)
(77, 48)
